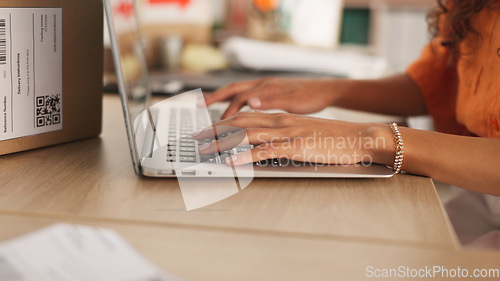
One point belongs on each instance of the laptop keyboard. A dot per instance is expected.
(183, 148)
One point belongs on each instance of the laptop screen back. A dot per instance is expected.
(130, 66)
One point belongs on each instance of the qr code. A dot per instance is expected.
(48, 110)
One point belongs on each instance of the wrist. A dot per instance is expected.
(337, 89)
(379, 144)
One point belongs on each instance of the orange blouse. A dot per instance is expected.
(464, 98)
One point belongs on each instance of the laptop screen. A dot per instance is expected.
(130, 66)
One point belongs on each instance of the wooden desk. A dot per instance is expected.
(307, 229)
(194, 253)
(94, 179)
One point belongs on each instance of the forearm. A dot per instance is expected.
(469, 162)
(395, 95)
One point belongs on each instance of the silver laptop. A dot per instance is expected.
(160, 135)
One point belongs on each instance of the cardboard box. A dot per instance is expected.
(51, 69)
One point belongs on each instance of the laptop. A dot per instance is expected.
(160, 135)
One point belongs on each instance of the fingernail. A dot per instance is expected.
(197, 133)
(201, 103)
(254, 102)
(231, 160)
(204, 147)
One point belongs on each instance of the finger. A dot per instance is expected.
(250, 136)
(230, 142)
(252, 94)
(271, 102)
(258, 153)
(230, 91)
(201, 101)
(210, 133)
(241, 121)
(235, 106)
(263, 120)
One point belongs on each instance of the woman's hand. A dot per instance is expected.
(294, 95)
(300, 138)
(395, 95)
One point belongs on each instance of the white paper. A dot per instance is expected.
(260, 55)
(30, 71)
(75, 253)
(314, 23)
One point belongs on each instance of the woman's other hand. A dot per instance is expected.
(294, 95)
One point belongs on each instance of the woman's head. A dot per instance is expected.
(458, 24)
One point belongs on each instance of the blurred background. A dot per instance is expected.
(189, 35)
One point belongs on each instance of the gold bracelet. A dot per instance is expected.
(398, 160)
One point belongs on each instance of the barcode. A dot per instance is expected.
(7, 272)
(3, 43)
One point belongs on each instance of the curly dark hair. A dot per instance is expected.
(458, 25)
